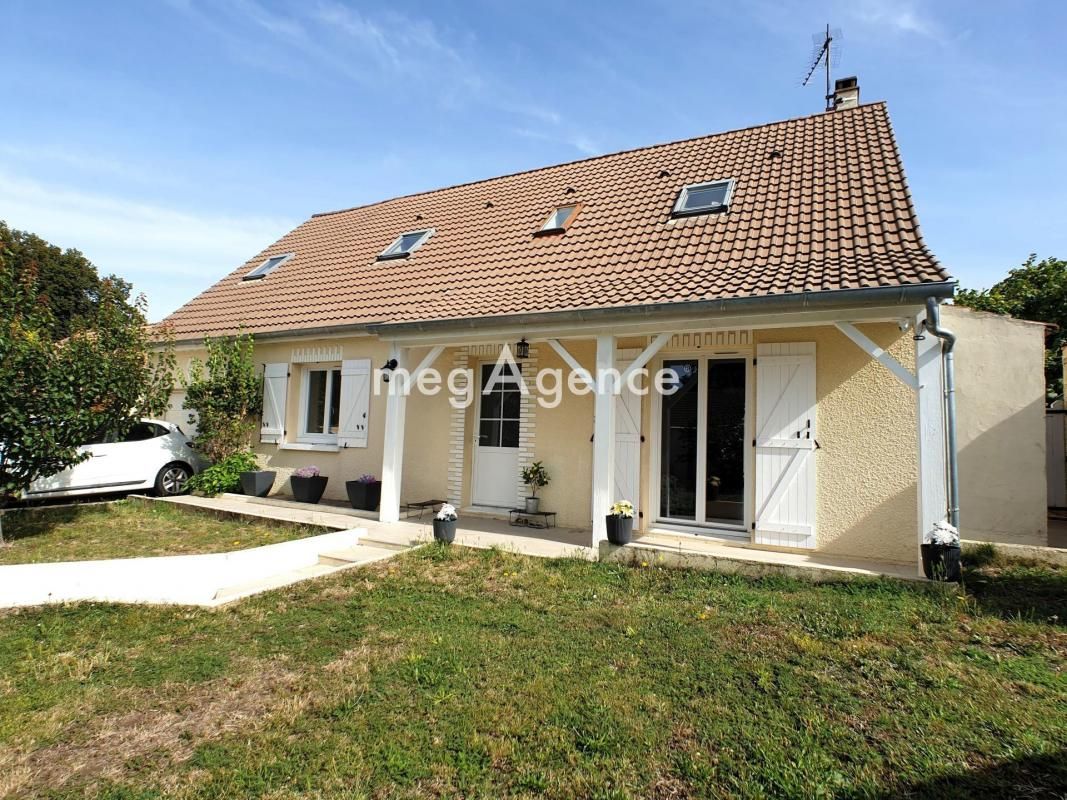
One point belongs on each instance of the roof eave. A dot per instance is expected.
(904, 295)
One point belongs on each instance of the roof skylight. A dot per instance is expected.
(272, 263)
(560, 219)
(405, 244)
(703, 198)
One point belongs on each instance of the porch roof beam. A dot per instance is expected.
(646, 355)
(485, 333)
(572, 362)
(879, 354)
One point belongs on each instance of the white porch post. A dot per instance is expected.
(931, 490)
(603, 436)
(393, 454)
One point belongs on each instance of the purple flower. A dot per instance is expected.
(367, 479)
(306, 472)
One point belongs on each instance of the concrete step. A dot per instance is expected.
(383, 544)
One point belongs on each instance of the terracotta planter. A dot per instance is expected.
(364, 496)
(257, 483)
(942, 563)
(620, 529)
(444, 530)
(308, 490)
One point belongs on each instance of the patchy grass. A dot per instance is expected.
(452, 672)
(130, 528)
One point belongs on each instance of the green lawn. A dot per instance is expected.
(452, 672)
(130, 528)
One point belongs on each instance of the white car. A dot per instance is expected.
(152, 455)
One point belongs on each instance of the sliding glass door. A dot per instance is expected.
(702, 442)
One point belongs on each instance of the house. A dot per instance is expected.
(772, 279)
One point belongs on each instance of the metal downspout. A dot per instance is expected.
(948, 340)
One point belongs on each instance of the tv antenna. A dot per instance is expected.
(826, 50)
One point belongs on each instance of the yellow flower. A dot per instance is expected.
(644, 563)
(237, 541)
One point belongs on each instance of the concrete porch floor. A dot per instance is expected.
(491, 532)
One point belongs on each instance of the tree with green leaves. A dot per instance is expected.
(70, 284)
(1035, 291)
(57, 394)
(226, 396)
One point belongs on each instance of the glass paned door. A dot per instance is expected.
(724, 499)
(678, 452)
(496, 456)
(702, 442)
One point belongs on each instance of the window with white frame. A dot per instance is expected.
(320, 404)
(268, 266)
(703, 198)
(405, 244)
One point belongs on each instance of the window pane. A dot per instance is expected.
(316, 401)
(335, 399)
(725, 499)
(678, 454)
(511, 405)
(509, 433)
(140, 432)
(491, 405)
(559, 216)
(705, 196)
(489, 433)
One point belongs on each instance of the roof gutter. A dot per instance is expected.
(911, 294)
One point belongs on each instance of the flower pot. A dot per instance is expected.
(444, 530)
(620, 529)
(364, 495)
(257, 483)
(942, 562)
(533, 504)
(308, 490)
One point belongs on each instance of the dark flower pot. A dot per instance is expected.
(364, 496)
(444, 530)
(257, 483)
(620, 529)
(308, 490)
(942, 563)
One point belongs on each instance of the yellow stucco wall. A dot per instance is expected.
(867, 464)
(1000, 391)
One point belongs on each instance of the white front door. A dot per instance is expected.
(627, 444)
(496, 450)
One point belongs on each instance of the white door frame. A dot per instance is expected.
(699, 525)
(477, 447)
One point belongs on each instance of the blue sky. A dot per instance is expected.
(171, 141)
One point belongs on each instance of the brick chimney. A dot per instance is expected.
(846, 93)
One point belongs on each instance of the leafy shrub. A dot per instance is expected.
(224, 476)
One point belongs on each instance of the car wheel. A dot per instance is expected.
(171, 480)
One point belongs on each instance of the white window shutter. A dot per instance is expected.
(355, 402)
(785, 445)
(275, 388)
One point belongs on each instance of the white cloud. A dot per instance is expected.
(897, 16)
(169, 254)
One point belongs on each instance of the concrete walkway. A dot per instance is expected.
(209, 580)
(472, 531)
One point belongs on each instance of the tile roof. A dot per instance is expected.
(820, 203)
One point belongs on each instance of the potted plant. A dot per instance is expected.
(444, 524)
(307, 484)
(941, 553)
(364, 493)
(258, 483)
(621, 522)
(535, 476)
